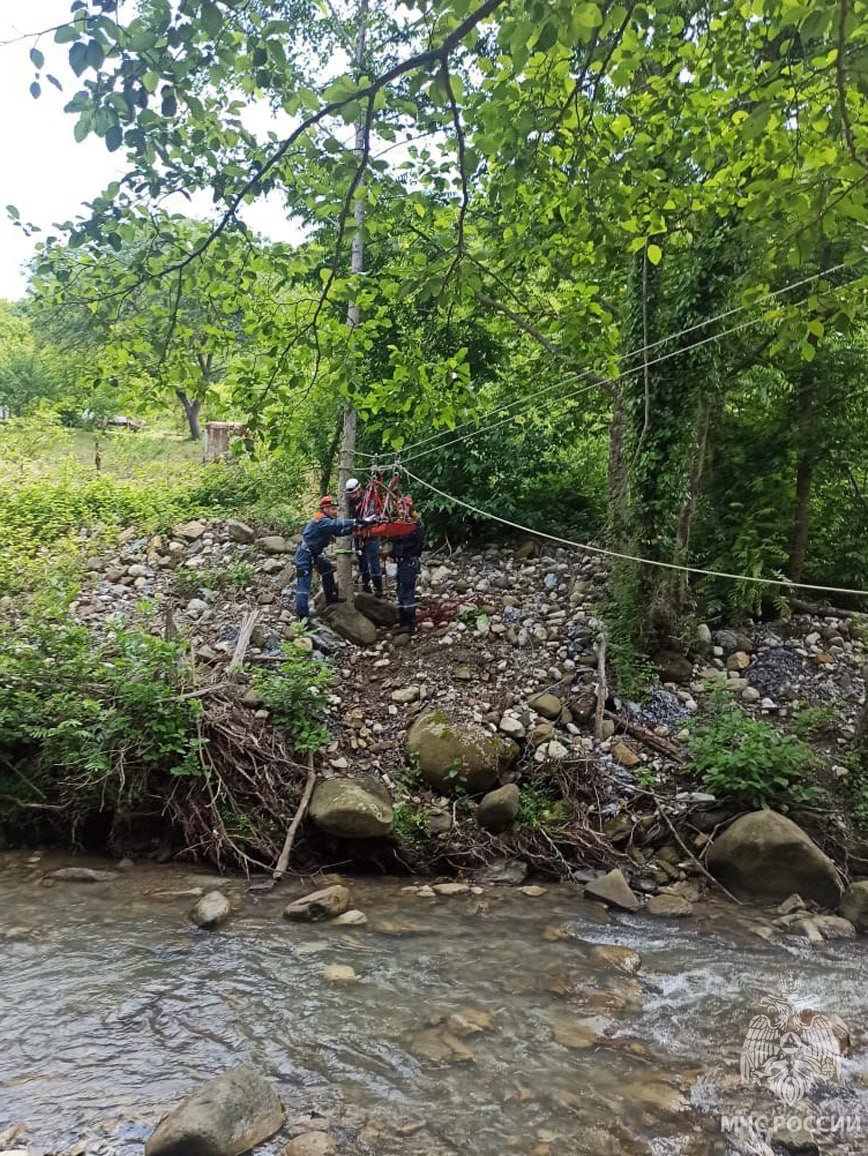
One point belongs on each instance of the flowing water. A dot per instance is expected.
(113, 1007)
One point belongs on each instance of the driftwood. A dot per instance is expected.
(646, 737)
(283, 860)
(247, 624)
(821, 609)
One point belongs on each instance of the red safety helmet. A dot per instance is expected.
(326, 500)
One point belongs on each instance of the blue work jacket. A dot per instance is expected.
(321, 529)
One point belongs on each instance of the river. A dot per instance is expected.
(482, 1023)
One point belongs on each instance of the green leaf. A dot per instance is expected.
(35, 90)
(211, 17)
(13, 212)
(654, 253)
(114, 138)
(78, 58)
(588, 16)
(37, 58)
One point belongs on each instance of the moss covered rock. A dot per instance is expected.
(458, 754)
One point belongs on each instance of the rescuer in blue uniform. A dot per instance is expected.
(367, 549)
(407, 553)
(317, 534)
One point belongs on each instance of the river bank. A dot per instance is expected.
(523, 1011)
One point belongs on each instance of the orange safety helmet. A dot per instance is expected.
(326, 500)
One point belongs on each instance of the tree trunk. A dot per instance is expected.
(617, 476)
(192, 409)
(327, 463)
(804, 476)
(357, 265)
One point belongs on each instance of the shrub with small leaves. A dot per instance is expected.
(296, 693)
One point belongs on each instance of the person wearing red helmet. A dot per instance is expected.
(407, 553)
(323, 527)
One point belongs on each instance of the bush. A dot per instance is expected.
(747, 760)
(296, 694)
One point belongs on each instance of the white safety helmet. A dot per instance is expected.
(352, 485)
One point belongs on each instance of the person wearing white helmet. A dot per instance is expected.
(367, 550)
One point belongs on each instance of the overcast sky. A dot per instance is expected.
(43, 172)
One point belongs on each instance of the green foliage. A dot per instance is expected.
(539, 808)
(86, 726)
(810, 722)
(410, 823)
(735, 756)
(296, 692)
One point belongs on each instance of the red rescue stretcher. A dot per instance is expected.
(384, 500)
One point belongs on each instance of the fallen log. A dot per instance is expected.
(646, 737)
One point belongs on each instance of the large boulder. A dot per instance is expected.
(767, 854)
(211, 911)
(352, 808)
(458, 753)
(230, 1114)
(498, 809)
(854, 905)
(380, 612)
(349, 623)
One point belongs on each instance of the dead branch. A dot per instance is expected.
(647, 738)
(602, 691)
(249, 621)
(283, 861)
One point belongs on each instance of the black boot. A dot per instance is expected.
(403, 625)
(330, 590)
(378, 587)
(411, 620)
(366, 586)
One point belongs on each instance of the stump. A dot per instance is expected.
(218, 435)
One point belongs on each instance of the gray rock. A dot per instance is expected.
(274, 544)
(190, 531)
(450, 753)
(767, 854)
(349, 623)
(548, 705)
(82, 875)
(230, 1114)
(671, 906)
(352, 808)
(498, 809)
(323, 904)
(502, 871)
(378, 610)
(211, 911)
(240, 532)
(854, 905)
(614, 890)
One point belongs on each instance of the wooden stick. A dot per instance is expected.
(602, 691)
(283, 861)
(248, 622)
(648, 738)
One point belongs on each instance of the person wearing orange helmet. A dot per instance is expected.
(323, 527)
(407, 554)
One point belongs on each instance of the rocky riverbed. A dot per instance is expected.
(455, 1019)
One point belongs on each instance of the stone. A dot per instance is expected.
(624, 755)
(582, 1033)
(311, 1144)
(230, 1114)
(339, 973)
(854, 905)
(211, 911)
(451, 888)
(239, 532)
(274, 544)
(738, 661)
(405, 695)
(327, 903)
(350, 624)
(616, 956)
(791, 904)
(459, 753)
(674, 667)
(671, 906)
(82, 875)
(548, 705)
(498, 809)
(512, 726)
(378, 610)
(190, 531)
(750, 694)
(826, 926)
(196, 607)
(352, 918)
(767, 854)
(613, 889)
(442, 1045)
(502, 871)
(352, 808)
(533, 891)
